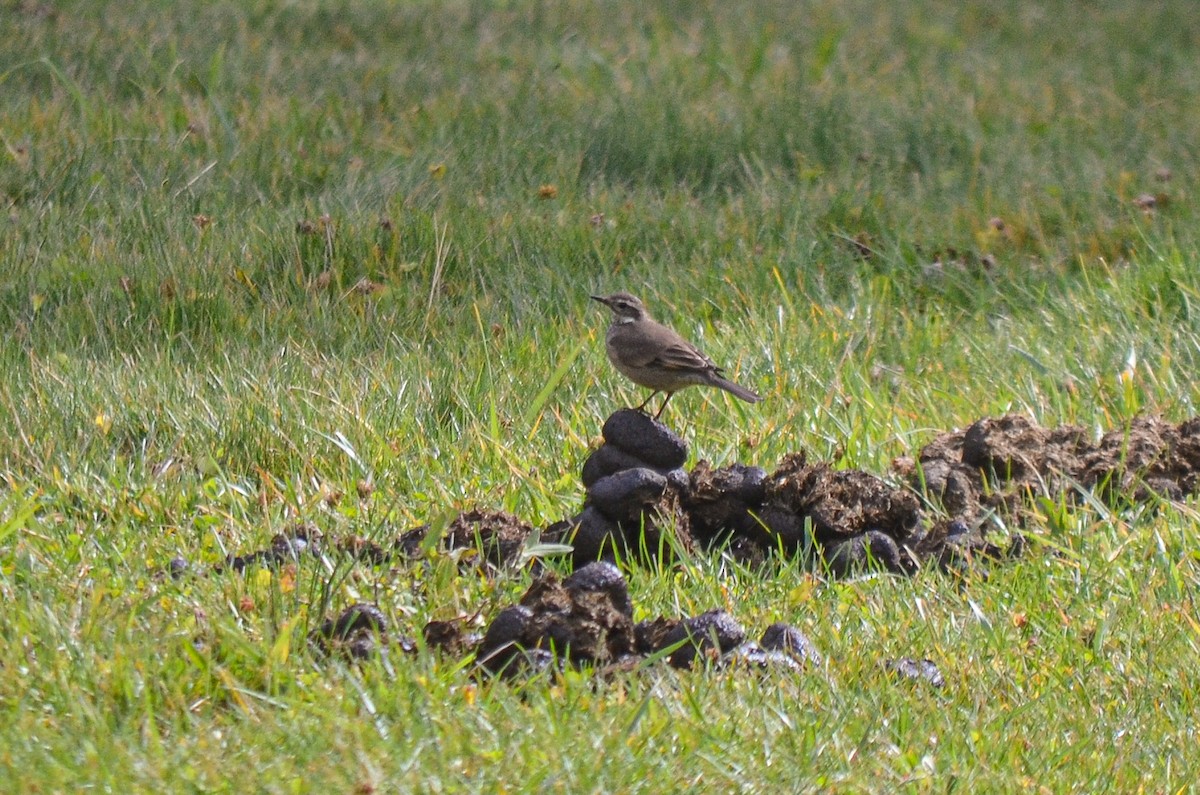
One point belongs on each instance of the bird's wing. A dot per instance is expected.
(682, 356)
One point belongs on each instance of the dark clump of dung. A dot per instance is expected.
(842, 504)
(707, 636)
(723, 503)
(641, 505)
(454, 637)
(290, 546)
(786, 639)
(360, 632)
(997, 465)
(500, 537)
(635, 485)
(915, 670)
(849, 521)
(587, 620)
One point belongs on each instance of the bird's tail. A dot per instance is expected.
(736, 390)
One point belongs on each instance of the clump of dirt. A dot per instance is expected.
(290, 546)
(852, 517)
(499, 536)
(360, 632)
(501, 539)
(641, 504)
(854, 520)
(723, 503)
(841, 504)
(1154, 459)
(455, 637)
(587, 620)
(915, 670)
(363, 549)
(993, 465)
(707, 637)
(997, 463)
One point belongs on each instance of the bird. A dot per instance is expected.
(654, 356)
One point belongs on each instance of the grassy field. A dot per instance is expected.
(273, 262)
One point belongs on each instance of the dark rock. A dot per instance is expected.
(842, 503)
(708, 635)
(747, 484)
(607, 460)
(624, 496)
(789, 640)
(916, 670)
(450, 637)
(501, 642)
(358, 633)
(646, 438)
(871, 550)
(178, 567)
(650, 635)
(752, 655)
(783, 528)
(358, 617)
(602, 577)
(594, 537)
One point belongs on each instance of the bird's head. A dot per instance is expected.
(624, 306)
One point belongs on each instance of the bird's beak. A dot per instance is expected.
(601, 299)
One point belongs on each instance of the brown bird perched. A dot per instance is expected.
(651, 355)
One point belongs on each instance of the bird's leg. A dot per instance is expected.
(664, 405)
(647, 400)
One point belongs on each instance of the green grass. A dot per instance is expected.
(189, 363)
